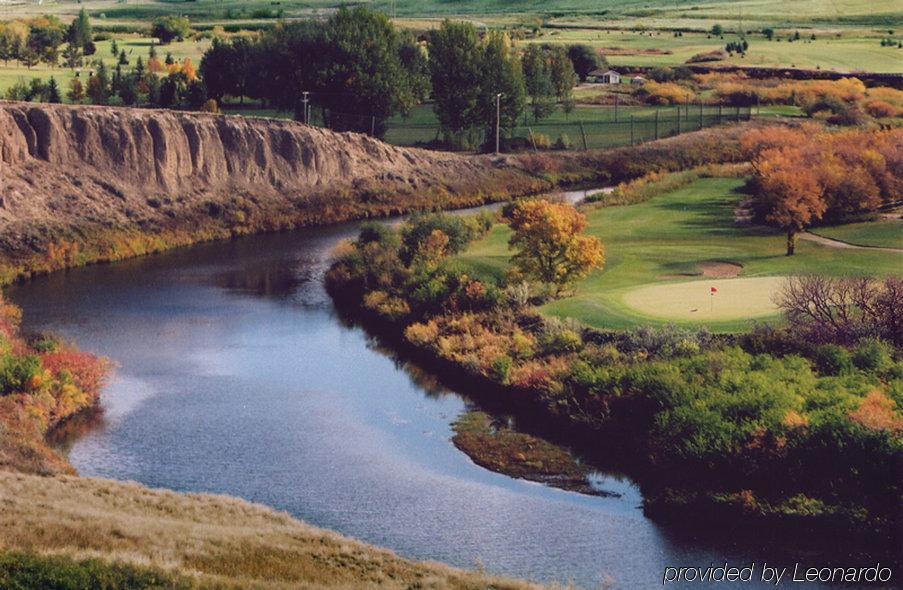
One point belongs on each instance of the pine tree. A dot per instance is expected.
(52, 93)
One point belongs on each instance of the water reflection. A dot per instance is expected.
(236, 376)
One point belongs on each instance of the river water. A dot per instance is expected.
(236, 376)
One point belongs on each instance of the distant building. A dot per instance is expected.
(638, 80)
(605, 77)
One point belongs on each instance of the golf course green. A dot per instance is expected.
(664, 255)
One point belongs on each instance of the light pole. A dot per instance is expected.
(498, 119)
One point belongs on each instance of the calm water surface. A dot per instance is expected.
(235, 376)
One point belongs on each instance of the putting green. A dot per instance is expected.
(734, 299)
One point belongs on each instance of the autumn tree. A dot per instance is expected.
(550, 245)
(806, 174)
(789, 194)
(76, 90)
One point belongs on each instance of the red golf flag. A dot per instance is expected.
(714, 290)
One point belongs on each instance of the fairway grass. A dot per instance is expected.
(887, 233)
(666, 241)
(734, 299)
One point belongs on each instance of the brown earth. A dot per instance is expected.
(68, 173)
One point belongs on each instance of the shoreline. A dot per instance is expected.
(707, 509)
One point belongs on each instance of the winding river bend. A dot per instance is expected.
(236, 376)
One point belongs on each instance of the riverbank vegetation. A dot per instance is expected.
(795, 424)
(43, 383)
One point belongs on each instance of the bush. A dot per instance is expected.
(563, 142)
(833, 360)
(16, 371)
(873, 355)
(500, 369)
(541, 141)
(881, 109)
(849, 117)
(560, 336)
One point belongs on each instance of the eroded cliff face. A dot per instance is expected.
(75, 167)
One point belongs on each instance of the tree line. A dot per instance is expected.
(359, 71)
(356, 69)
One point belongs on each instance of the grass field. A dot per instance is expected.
(848, 32)
(693, 226)
(134, 46)
(842, 51)
(885, 234)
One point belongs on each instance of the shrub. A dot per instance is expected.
(17, 371)
(563, 142)
(833, 360)
(500, 369)
(422, 334)
(880, 109)
(851, 116)
(541, 141)
(872, 355)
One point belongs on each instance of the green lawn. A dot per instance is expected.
(603, 126)
(665, 240)
(886, 234)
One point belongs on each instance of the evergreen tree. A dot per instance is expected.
(80, 33)
(52, 93)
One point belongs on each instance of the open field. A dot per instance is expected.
(693, 228)
(887, 233)
(754, 12)
(635, 33)
(841, 51)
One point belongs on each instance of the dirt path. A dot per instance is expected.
(832, 243)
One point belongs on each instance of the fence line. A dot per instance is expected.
(621, 126)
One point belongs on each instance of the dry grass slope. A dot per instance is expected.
(217, 540)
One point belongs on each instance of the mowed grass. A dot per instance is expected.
(731, 299)
(665, 241)
(603, 126)
(887, 233)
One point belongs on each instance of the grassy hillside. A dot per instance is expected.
(191, 541)
(693, 227)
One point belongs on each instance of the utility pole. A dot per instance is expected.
(304, 100)
(498, 119)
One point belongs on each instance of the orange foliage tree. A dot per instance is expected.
(550, 243)
(806, 174)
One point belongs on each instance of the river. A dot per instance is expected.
(236, 376)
